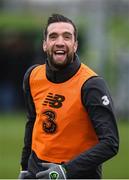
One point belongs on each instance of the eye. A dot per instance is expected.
(67, 36)
(53, 36)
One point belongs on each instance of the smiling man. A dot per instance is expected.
(60, 44)
(71, 128)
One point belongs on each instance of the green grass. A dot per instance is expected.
(11, 142)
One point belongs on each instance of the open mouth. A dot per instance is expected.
(60, 55)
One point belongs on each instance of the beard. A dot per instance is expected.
(57, 65)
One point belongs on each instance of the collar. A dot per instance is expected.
(63, 74)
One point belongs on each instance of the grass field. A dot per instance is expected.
(11, 141)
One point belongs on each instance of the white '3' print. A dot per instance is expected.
(105, 100)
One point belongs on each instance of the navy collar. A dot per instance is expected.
(63, 74)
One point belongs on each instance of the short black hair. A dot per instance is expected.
(59, 18)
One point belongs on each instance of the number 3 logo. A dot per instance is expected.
(49, 125)
(105, 100)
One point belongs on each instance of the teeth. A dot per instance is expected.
(60, 52)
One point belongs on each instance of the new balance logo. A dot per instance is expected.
(54, 100)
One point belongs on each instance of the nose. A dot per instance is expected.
(59, 41)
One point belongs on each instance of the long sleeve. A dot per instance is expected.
(31, 115)
(98, 103)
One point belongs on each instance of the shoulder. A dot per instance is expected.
(95, 91)
(85, 73)
(87, 70)
(27, 76)
(95, 82)
(95, 87)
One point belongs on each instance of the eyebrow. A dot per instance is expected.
(67, 33)
(54, 33)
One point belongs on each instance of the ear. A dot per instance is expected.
(75, 46)
(44, 46)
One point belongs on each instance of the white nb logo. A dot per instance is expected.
(105, 100)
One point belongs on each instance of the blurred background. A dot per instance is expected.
(103, 27)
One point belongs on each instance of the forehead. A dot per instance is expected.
(60, 27)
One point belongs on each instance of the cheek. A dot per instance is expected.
(48, 47)
(72, 46)
(75, 47)
(49, 50)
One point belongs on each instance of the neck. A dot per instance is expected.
(62, 75)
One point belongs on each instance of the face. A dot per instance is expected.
(60, 44)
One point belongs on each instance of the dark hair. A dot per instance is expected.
(59, 18)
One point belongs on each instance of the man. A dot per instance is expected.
(71, 128)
